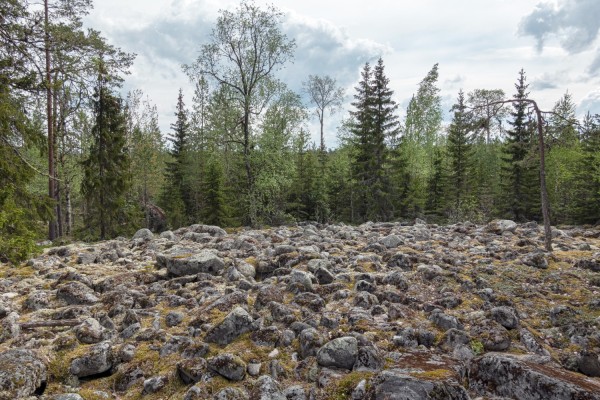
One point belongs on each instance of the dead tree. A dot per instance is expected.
(543, 190)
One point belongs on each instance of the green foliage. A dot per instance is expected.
(106, 169)
(460, 159)
(520, 169)
(375, 123)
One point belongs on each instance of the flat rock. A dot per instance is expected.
(525, 378)
(183, 261)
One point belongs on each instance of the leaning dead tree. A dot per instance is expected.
(540, 133)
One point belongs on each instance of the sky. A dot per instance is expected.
(477, 44)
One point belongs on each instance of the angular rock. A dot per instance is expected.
(505, 316)
(310, 340)
(266, 388)
(235, 324)
(98, 359)
(90, 331)
(22, 373)
(192, 370)
(228, 366)
(339, 353)
(76, 293)
(525, 378)
(182, 261)
(395, 385)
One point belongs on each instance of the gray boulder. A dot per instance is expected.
(181, 261)
(394, 385)
(236, 323)
(500, 226)
(339, 353)
(143, 234)
(90, 331)
(310, 340)
(74, 293)
(229, 366)
(98, 359)
(528, 378)
(267, 388)
(505, 316)
(22, 372)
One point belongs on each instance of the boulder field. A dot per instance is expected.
(376, 311)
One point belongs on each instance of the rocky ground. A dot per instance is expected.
(378, 311)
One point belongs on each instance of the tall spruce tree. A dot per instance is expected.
(361, 128)
(175, 198)
(521, 182)
(459, 151)
(106, 170)
(587, 175)
(375, 122)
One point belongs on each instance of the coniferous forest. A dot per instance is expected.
(79, 160)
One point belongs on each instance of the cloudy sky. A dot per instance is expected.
(478, 45)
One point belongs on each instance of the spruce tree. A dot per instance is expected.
(215, 211)
(520, 181)
(459, 152)
(587, 175)
(176, 198)
(375, 122)
(435, 187)
(361, 129)
(106, 170)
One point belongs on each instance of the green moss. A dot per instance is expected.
(477, 347)
(342, 389)
(434, 375)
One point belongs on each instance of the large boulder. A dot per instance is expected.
(236, 323)
(395, 385)
(182, 261)
(76, 293)
(98, 359)
(22, 373)
(228, 366)
(339, 353)
(499, 226)
(528, 378)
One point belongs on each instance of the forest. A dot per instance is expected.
(80, 161)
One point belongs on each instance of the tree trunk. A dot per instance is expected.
(69, 211)
(543, 189)
(51, 189)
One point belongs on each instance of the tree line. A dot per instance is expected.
(79, 161)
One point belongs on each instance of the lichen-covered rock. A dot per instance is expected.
(183, 261)
(527, 378)
(98, 359)
(395, 385)
(310, 340)
(236, 323)
(229, 366)
(266, 388)
(76, 293)
(339, 353)
(22, 372)
(500, 226)
(505, 316)
(143, 234)
(90, 331)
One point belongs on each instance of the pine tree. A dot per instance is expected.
(176, 198)
(106, 170)
(459, 151)
(520, 182)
